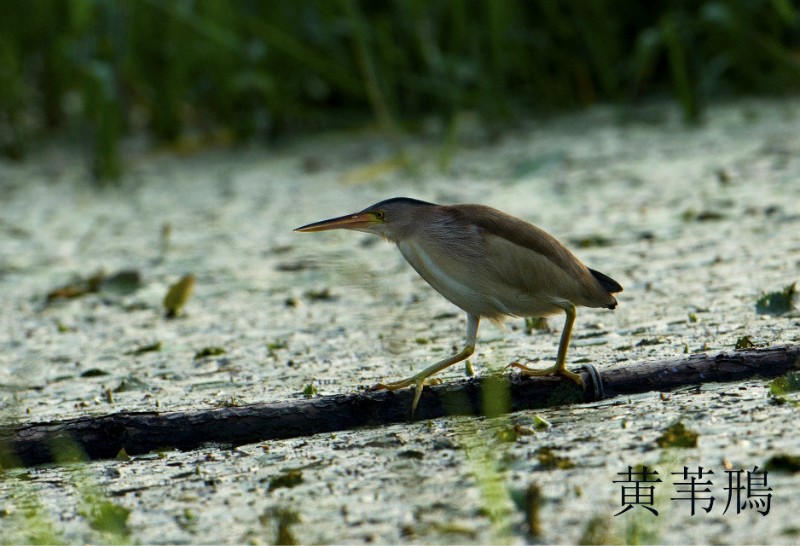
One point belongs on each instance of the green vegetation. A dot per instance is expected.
(310, 390)
(677, 435)
(209, 351)
(548, 460)
(782, 387)
(178, 294)
(777, 303)
(194, 73)
(282, 518)
(149, 348)
(783, 462)
(121, 283)
(744, 342)
(290, 478)
(28, 521)
(598, 530)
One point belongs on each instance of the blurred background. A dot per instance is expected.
(188, 74)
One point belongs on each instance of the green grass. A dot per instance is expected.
(229, 70)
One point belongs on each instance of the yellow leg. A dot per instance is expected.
(561, 361)
(419, 379)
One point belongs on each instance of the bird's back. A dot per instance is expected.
(492, 264)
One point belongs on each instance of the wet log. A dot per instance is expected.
(142, 432)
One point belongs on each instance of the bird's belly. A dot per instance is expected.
(461, 283)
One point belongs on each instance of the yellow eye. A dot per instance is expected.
(379, 215)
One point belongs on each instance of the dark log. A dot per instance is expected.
(141, 432)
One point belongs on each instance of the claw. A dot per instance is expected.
(420, 382)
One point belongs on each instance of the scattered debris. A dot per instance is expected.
(94, 372)
(274, 346)
(320, 295)
(288, 479)
(63, 328)
(780, 387)
(230, 402)
(592, 241)
(310, 390)
(539, 324)
(209, 351)
(468, 369)
(108, 517)
(690, 215)
(123, 282)
(165, 241)
(548, 460)
(293, 267)
(540, 423)
(78, 288)
(777, 303)
(598, 530)
(155, 346)
(533, 506)
(677, 435)
(786, 383)
(507, 434)
(130, 384)
(411, 454)
(650, 341)
(284, 518)
(178, 294)
(783, 462)
(723, 176)
(522, 430)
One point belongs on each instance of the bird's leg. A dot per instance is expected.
(561, 361)
(419, 378)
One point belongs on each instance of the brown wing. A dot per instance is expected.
(585, 285)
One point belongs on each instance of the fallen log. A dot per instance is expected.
(142, 432)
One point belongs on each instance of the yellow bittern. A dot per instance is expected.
(488, 263)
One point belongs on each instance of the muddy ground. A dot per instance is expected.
(695, 223)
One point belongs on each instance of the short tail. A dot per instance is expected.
(610, 285)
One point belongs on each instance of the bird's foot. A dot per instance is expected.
(403, 383)
(419, 380)
(552, 370)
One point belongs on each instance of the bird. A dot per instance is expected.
(488, 263)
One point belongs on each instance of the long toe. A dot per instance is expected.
(418, 379)
(389, 386)
(572, 376)
(419, 383)
(552, 370)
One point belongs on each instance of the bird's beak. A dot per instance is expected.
(351, 221)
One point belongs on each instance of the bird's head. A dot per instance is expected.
(389, 219)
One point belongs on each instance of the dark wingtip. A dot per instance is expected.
(611, 286)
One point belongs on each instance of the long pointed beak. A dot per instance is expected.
(351, 221)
